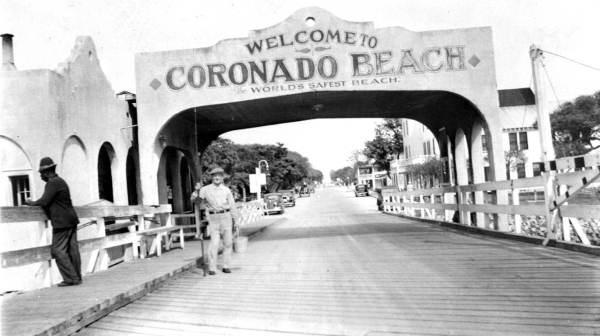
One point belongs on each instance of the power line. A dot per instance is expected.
(572, 60)
(550, 81)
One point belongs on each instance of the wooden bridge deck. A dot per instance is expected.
(338, 267)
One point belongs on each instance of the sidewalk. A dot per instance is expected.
(62, 311)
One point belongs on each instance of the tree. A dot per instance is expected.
(286, 168)
(428, 173)
(575, 125)
(345, 174)
(388, 142)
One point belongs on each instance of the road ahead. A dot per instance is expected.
(336, 266)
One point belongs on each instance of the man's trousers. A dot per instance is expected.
(220, 226)
(65, 250)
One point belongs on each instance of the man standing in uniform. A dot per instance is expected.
(56, 202)
(219, 204)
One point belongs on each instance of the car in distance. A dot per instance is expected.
(274, 203)
(304, 191)
(289, 198)
(361, 190)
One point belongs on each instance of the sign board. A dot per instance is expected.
(254, 183)
(256, 180)
(332, 55)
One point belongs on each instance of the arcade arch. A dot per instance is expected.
(107, 165)
(455, 122)
(74, 169)
(444, 79)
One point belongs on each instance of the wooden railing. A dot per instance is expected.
(500, 206)
(101, 219)
(194, 223)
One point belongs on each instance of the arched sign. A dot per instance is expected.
(314, 51)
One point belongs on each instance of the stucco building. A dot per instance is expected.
(520, 140)
(72, 115)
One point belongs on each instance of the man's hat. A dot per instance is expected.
(217, 170)
(46, 163)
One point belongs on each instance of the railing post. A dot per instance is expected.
(432, 210)
(516, 201)
(549, 197)
(463, 218)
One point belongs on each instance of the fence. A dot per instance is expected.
(108, 234)
(512, 206)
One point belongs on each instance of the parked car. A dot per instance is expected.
(274, 203)
(304, 191)
(289, 198)
(361, 190)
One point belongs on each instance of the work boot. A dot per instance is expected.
(226, 270)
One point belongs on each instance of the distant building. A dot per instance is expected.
(520, 141)
(420, 145)
(371, 176)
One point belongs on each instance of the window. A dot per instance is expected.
(428, 148)
(520, 170)
(523, 143)
(538, 167)
(20, 189)
(512, 139)
(518, 141)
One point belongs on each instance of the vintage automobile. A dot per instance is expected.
(274, 203)
(289, 198)
(304, 191)
(361, 190)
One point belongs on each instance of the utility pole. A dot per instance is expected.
(543, 116)
(545, 130)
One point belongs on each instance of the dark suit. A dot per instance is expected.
(56, 202)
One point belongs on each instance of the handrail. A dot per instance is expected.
(557, 217)
(36, 214)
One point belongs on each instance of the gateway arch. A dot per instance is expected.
(315, 65)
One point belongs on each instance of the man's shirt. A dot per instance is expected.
(56, 202)
(217, 198)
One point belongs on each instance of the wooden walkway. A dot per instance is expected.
(338, 267)
(63, 311)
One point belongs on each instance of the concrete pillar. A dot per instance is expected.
(477, 164)
(149, 166)
(461, 158)
(119, 175)
(451, 170)
(497, 169)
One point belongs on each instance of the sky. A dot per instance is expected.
(45, 32)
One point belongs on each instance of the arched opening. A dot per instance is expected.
(442, 112)
(131, 167)
(173, 181)
(105, 176)
(187, 184)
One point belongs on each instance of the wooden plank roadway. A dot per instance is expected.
(338, 267)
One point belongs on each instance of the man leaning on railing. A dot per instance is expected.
(56, 202)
